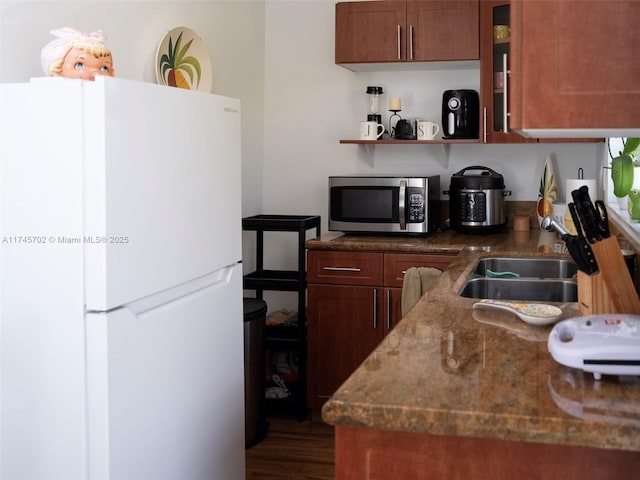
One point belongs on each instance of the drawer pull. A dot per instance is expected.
(342, 269)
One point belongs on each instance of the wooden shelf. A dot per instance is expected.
(446, 145)
(406, 142)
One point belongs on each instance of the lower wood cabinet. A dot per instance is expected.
(342, 331)
(367, 454)
(354, 300)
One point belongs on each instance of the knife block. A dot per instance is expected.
(593, 296)
(610, 290)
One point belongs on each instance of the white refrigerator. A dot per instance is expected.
(121, 323)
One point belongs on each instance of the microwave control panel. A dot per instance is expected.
(416, 206)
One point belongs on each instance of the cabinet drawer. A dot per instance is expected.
(344, 268)
(396, 264)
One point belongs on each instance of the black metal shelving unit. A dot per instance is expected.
(287, 338)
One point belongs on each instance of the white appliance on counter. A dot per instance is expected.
(121, 287)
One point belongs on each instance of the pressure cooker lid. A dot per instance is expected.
(482, 178)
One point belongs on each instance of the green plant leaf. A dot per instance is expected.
(631, 146)
(622, 175)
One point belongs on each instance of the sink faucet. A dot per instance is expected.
(577, 246)
(550, 225)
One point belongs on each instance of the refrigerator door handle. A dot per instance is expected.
(157, 300)
(142, 369)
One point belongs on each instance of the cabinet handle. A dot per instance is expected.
(484, 124)
(411, 42)
(505, 99)
(375, 308)
(399, 57)
(342, 269)
(388, 309)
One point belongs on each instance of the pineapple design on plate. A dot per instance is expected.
(176, 63)
(183, 62)
(547, 192)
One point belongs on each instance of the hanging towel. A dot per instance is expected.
(416, 281)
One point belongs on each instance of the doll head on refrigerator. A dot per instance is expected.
(77, 54)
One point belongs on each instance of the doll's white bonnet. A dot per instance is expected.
(58, 48)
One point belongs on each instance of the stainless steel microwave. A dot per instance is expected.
(384, 204)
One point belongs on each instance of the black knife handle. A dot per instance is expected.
(581, 252)
(587, 213)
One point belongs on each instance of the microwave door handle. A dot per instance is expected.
(401, 214)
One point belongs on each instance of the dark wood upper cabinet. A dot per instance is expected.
(442, 30)
(370, 32)
(576, 65)
(496, 58)
(500, 99)
(406, 31)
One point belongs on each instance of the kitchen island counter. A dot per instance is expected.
(448, 371)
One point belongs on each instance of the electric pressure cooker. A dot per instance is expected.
(476, 200)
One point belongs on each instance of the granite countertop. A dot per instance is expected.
(447, 369)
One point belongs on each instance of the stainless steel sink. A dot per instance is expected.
(525, 289)
(530, 267)
(539, 279)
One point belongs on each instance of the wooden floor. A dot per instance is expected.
(293, 450)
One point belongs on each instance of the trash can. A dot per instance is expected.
(256, 426)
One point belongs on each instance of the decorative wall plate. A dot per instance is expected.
(548, 190)
(182, 61)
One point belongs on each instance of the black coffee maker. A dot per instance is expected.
(460, 114)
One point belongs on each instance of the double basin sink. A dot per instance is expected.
(523, 279)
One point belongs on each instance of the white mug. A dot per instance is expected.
(427, 130)
(371, 130)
